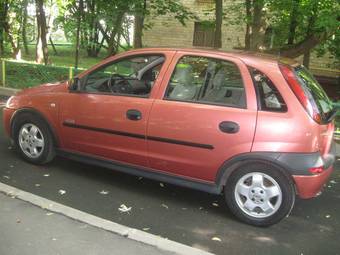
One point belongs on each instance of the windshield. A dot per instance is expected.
(314, 92)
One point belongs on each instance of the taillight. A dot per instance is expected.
(289, 75)
(316, 170)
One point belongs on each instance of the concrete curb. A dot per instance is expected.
(131, 233)
(8, 91)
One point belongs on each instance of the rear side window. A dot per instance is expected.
(309, 92)
(269, 97)
(207, 80)
(314, 91)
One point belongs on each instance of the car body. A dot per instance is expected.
(209, 120)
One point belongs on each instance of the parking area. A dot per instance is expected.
(190, 217)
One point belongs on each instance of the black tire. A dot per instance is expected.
(48, 151)
(282, 179)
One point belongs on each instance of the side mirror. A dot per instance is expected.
(74, 84)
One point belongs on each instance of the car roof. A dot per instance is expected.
(246, 56)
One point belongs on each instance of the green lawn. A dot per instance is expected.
(26, 73)
(65, 57)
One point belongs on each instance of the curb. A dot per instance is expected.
(8, 91)
(131, 233)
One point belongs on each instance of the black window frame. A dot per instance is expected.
(260, 94)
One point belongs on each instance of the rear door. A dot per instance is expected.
(205, 114)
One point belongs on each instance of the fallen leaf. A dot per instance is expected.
(123, 208)
(104, 192)
(62, 192)
(165, 206)
(161, 184)
(217, 239)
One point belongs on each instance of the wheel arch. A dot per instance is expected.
(231, 165)
(38, 114)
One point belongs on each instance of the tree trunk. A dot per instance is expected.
(113, 43)
(53, 46)
(42, 33)
(218, 24)
(304, 46)
(3, 16)
(311, 22)
(258, 29)
(293, 21)
(248, 4)
(80, 11)
(23, 27)
(139, 23)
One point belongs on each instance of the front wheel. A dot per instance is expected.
(260, 194)
(33, 139)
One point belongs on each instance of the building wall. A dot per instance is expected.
(168, 32)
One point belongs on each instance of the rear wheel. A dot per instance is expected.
(33, 139)
(260, 194)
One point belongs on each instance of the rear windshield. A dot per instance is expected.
(314, 92)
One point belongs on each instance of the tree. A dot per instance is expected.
(80, 11)
(218, 24)
(24, 25)
(144, 10)
(41, 47)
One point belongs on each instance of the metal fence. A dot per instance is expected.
(20, 75)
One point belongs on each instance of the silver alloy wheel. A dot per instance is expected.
(258, 195)
(31, 140)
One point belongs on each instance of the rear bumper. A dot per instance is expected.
(308, 186)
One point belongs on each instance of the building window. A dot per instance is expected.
(204, 34)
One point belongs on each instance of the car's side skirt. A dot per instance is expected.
(139, 171)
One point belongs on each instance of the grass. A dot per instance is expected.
(26, 73)
(65, 57)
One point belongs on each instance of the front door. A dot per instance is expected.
(204, 115)
(108, 117)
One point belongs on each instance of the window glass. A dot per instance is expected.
(130, 76)
(207, 80)
(269, 97)
(314, 91)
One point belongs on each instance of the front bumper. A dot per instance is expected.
(7, 116)
(308, 186)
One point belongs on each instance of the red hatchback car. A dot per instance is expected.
(256, 128)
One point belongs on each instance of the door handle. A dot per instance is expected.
(229, 127)
(133, 114)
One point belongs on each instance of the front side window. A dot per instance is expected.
(207, 80)
(130, 76)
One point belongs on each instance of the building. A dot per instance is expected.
(168, 32)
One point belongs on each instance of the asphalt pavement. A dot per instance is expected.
(190, 217)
